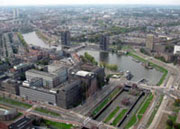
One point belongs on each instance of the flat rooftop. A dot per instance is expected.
(41, 73)
(83, 73)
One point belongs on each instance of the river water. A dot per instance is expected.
(32, 39)
(125, 63)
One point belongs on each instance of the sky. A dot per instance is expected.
(70, 2)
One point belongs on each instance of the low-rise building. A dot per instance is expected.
(38, 94)
(55, 75)
(23, 67)
(8, 114)
(66, 95)
(49, 80)
(23, 123)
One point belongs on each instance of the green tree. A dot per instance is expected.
(169, 123)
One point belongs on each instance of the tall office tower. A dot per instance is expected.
(150, 42)
(65, 38)
(15, 13)
(104, 42)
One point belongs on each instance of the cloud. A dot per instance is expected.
(55, 2)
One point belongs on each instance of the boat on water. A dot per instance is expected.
(144, 81)
(128, 75)
(147, 66)
(136, 60)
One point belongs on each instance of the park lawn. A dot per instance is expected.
(112, 114)
(15, 102)
(119, 117)
(58, 125)
(102, 104)
(161, 69)
(46, 111)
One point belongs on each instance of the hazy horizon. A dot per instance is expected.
(87, 2)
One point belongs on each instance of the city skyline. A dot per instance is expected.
(71, 2)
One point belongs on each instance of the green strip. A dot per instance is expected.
(15, 102)
(119, 117)
(140, 112)
(154, 111)
(57, 125)
(145, 106)
(108, 99)
(113, 113)
(46, 111)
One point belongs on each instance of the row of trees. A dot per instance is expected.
(21, 38)
(171, 122)
(87, 58)
(112, 67)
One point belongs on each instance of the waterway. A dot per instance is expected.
(32, 39)
(126, 63)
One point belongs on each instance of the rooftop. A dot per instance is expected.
(20, 123)
(49, 75)
(84, 73)
(177, 49)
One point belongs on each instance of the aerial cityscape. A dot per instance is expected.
(89, 66)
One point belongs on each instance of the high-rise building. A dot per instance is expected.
(150, 42)
(104, 41)
(65, 38)
(15, 13)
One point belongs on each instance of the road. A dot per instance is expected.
(162, 107)
(69, 116)
(77, 115)
(159, 114)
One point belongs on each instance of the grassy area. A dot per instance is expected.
(19, 115)
(58, 125)
(131, 122)
(140, 112)
(119, 117)
(103, 103)
(171, 122)
(46, 111)
(113, 113)
(100, 106)
(21, 38)
(145, 106)
(154, 111)
(15, 102)
(44, 37)
(161, 69)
